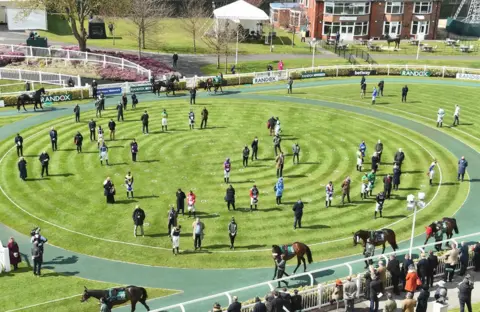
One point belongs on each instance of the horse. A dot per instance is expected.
(451, 226)
(395, 40)
(33, 98)
(208, 85)
(133, 294)
(299, 250)
(168, 84)
(388, 236)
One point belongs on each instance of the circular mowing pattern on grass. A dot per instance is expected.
(72, 197)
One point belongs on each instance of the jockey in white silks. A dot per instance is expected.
(278, 128)
(440, 115)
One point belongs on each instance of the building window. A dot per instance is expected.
(422, 8)
(274, 16)
(358, 28)
(348, 8)
(392, 29)
(394, 8)
(420, 28)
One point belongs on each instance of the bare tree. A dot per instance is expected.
(145, 15)
(195, 12)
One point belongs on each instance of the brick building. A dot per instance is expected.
(360, 19)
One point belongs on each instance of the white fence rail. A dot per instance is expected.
(37, 76)
(71, 55)
(314, 297)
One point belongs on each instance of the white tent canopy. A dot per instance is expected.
(240, 10)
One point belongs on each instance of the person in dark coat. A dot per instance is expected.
(375, 289)
(422, 300)
(172, 220)
(465, 288)
(76, 110)
(144, 120)
(37, 258)
(19, 144)
(120, 111)
(396, 177)
(54, 138)
(296, 301)
(134, 149)
(22, 168)
(107, 191)
(112, 125)
(404, 94)
(393, 267)
(277, 303)
(379, 150)
(78, 140)
(204, 118)
(193, 95)
(180, 202)
(463, 258)
(92, 125)
(259, 306)
(232, 232)
(254, 148)
(138, 218)
(381, 84)
(124, 101)
(175, 60)
(102, 101)
(399, 158)
(94, 88)
(423, 268)
(387, 185)
(245, 154)
(230, 197)
(462, 167)
(14, 253)
(235, 306)
(44, 160)
(432, 267)
(476, 257)
(375, 161)
(298, 213)
(368, 281)
(287, 299)
(27, 86)
(134, 100)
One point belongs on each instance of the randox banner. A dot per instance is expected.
(468, 76)
(362, 72)
(265, 79)
(313, 75)
(56, 98)
(418, 73)
(110, 91)
(141, 88)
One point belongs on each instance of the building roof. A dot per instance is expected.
(284, 6)
(240, 10)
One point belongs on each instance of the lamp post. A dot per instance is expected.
(314, 45)
(420, 38)
(412, 204)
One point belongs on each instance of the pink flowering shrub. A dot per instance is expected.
(17, 57)
(117, 74)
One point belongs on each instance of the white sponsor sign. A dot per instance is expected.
(265, 79)
(468, 76)
(348, 18)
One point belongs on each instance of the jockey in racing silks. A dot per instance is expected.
(365, 186)
(440, 115)
(329, 194)
(380, 199)
(431, 171)
(359, 160)
(371, 179)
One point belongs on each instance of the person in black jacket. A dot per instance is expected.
(399, 158)
(393, 267)
(235, 306)
(404, 94)
(92, 125)
(375, 289)
(422, 300)
(144, 120)
(259, 306)
(381, 84)
(254, 148)
(204, 118)
(138, 218)
(111, 126)
(245, 153)
(44, 159)
(287, 299)
(230, 197)
(76, 110)
(175, 60)
(19, 144)
(375, 161)
(78, 139)
(380, 199)
(94, 88)
(232, 232)
(22, 168)
(298, 213)
(120, 111)
(463, 258)
(296, 301)
(54, 138)
(124, 101)
(396, 176)
(387, 185)
(423, 268)
(432, 267)
(180, 202)
(193, 95)
(134, 100)
(277, 303)
(465, 288)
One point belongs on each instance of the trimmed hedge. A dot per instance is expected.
(11, 100)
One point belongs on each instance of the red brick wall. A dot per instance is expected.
(377, 16)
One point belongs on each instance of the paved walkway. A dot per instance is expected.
(199, 283)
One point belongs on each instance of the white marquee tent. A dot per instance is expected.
(243, 13)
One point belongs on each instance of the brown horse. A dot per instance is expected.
(450, 227)
(388, 236)
(296, 250)
(133, 294)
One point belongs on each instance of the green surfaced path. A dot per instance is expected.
(199, 283)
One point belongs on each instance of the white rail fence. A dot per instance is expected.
(71, 55)
(319, 295)
(37, 76)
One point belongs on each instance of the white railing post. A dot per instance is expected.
(350, 270)
(123, 63)
(359, 284)
(68, 54)
(79, 81)
(40, 76)
(443, 72)
(33, 85)
(104, 60)
(19, 74)
(337, 70)
(182, 308)
(229, 298)
(388, 70)
(319, 296)
(271, 286)
(312, 280)
(11, 46)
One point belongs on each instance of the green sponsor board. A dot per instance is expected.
(141, 88)
(418, 73)
(313, 75)
(56, 98)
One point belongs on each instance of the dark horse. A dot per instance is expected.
(388, 236)
(133, 294)
(209, 84)
(299, 250)
(169, 85)
(450, 227)
(395, 40)
(33, 98)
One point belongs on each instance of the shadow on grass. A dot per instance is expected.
(62, 260)
(61, 175)
(316, 227)
(58, 25)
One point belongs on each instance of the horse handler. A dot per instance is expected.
(281, 264)
(368, 252)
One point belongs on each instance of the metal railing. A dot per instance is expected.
(319, 295)
(37, 76)
(71, 55)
